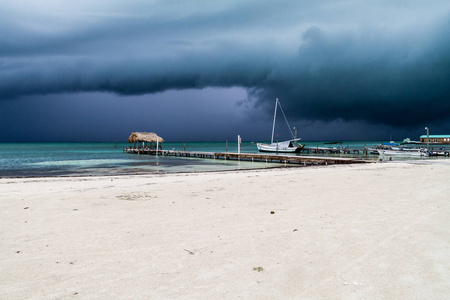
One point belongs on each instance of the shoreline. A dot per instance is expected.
(277, 166)
(378, 230)
(160, 173)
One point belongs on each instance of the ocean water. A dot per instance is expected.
(85, 159)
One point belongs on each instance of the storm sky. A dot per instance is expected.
(210, 70)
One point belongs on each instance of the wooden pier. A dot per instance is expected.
(324, 150)
(434, 151)
(253, 157)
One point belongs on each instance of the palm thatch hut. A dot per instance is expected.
(149, 140)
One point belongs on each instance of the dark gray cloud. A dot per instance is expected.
(383, 62)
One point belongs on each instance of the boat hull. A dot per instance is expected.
(406, 153)
(274, 148)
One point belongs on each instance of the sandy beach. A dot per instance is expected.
(372, 231)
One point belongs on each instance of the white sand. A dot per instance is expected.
(376, 231)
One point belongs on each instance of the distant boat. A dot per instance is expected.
(284, 146)
(408, 141)
(405, 152)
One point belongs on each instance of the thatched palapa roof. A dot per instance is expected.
(149, 137)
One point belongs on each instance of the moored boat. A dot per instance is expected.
(285, 147)
(289, 146)
(383, 146)
(405, 152)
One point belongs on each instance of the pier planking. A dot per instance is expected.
(254, 157)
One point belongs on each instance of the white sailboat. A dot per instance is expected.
(284, 146)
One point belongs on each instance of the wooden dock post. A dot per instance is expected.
(239, 144)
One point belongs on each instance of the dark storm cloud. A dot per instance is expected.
(371, 78)
(378, 62)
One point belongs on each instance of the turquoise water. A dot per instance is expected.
(60, 159)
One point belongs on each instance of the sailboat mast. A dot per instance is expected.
(274, 118)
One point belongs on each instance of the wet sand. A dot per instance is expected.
(373, 231)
